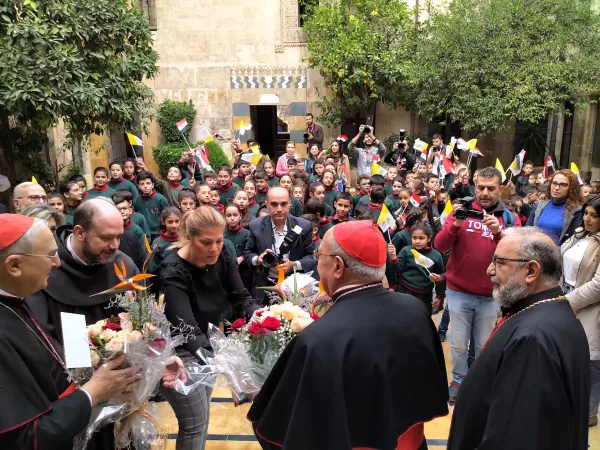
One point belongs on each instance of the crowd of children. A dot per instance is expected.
(320, 192)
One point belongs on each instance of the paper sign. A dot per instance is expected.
(268, 98)
(75, 337)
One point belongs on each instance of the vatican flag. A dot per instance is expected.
(421, 260)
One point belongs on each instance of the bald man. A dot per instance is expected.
(530, 386)
(26, 194)
(267, 234)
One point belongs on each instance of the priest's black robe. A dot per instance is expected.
(529, 388)
(362, 375)
(69, 290)
(32, 415)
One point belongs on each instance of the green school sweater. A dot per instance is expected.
(238, 239)
(323, 229)
(132, 228)
(260, 197)
(330, 196)
(68, 219)
(366, 200)
(274, 182)
(229, 245)
(329, 210)
(161, 253)
(141, 222)
(169, 192)
(239, 182)
(415, 276)
(108, 193)
(253, 210)
(376, 212)
(393, 204)
(400, 240)
(335, 221)
(151, 208)
(227, 196)
(388, 188)
(126, 185)
(296, 209)
(314, 178)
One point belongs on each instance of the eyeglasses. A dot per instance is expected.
(52, 255)
(318, 255)
(495, 259)
(556, 184)
(36, 198)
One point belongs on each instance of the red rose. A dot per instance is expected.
(271, 323)
(314, 316)
(112, 324)
(256, 329)
(238, 324)
(258, 313)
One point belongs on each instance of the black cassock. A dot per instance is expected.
(32, 416)
(362, 375)
(529, 388)
(69, 290)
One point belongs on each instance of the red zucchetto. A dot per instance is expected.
(12, 228)
(363, 241)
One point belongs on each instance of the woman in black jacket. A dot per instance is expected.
(201, 284)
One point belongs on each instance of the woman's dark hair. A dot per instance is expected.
(594, 202)
(424, 228)
(427, 206)
(414, 217)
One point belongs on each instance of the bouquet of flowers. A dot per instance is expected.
(142, 334)
(246, 357)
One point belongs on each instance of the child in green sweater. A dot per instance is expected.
(136, 217)
(101, 187)
(117, 180)
(215, 200)
(250, 189)
(234, 231)
(150, 204)
(329, 185)
(419, 267)
(317, 207)
(226, 188)
(286, 182)
(129, 227)
(187, 200)
(170, 219)
(261, 181)
(269, 169)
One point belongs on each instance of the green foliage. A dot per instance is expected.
(168, 155)
(83, 62)
(486, 63)
(361, 49)
(73, 170)
(169, 113)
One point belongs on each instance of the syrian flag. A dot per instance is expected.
(476, 153)
(415, 200)
(182, 125)
(201, 156)
(342, 138)
(548, 165)
(423, 155)
(446, 168)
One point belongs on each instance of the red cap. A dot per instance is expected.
(362, 240)
(13, 227)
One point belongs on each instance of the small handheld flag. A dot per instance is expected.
(501, 169)
(420, 146)
(446, 212)
(34, 180)
(422, 260)
(548, 164)
(386, 219)
(182, 125)
(134, 140)
(342, 138)
(447, 167)
(255, 149)
(256, 157)
(378, 170)
(575, 170)
(517, 164)
(415, 200)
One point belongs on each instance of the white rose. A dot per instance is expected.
(134, 336)
(101, 323)
(276, 309)
(300, 323)
(114, 345)
(124, 316)
(127, 325)
(107, 335)
(94, 330)
(149, 328)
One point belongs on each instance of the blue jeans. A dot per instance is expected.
(468, 314)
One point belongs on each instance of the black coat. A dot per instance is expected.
(530, 386)
(261, 238)
(360, 376)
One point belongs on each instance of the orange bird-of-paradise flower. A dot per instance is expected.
(126, 284)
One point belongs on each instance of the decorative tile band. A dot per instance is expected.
(269, 82)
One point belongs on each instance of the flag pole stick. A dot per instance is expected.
(186, 141)
(389, 235)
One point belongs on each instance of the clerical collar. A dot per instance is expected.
(72, 252)
(533, 298)
(352, 288)
(7, 294)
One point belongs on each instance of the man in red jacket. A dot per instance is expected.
(472, 242)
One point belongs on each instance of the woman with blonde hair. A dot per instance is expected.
(561, 215)
(201, 286)
(49, 215)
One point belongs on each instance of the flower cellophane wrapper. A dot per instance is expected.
(148, 357)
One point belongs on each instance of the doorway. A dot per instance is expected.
(264, 126)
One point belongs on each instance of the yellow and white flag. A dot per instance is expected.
(134, 140)
(501, 169)
(386, 219)
(256, 157)
(376, 169)
(446, 212)
(421, 260)
(34, 180)
(575, 170)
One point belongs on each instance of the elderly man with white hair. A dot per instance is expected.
(41, 408)
(530, 387)
(26, 194)
(367, 374)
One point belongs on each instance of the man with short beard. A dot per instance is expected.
(529, 388)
